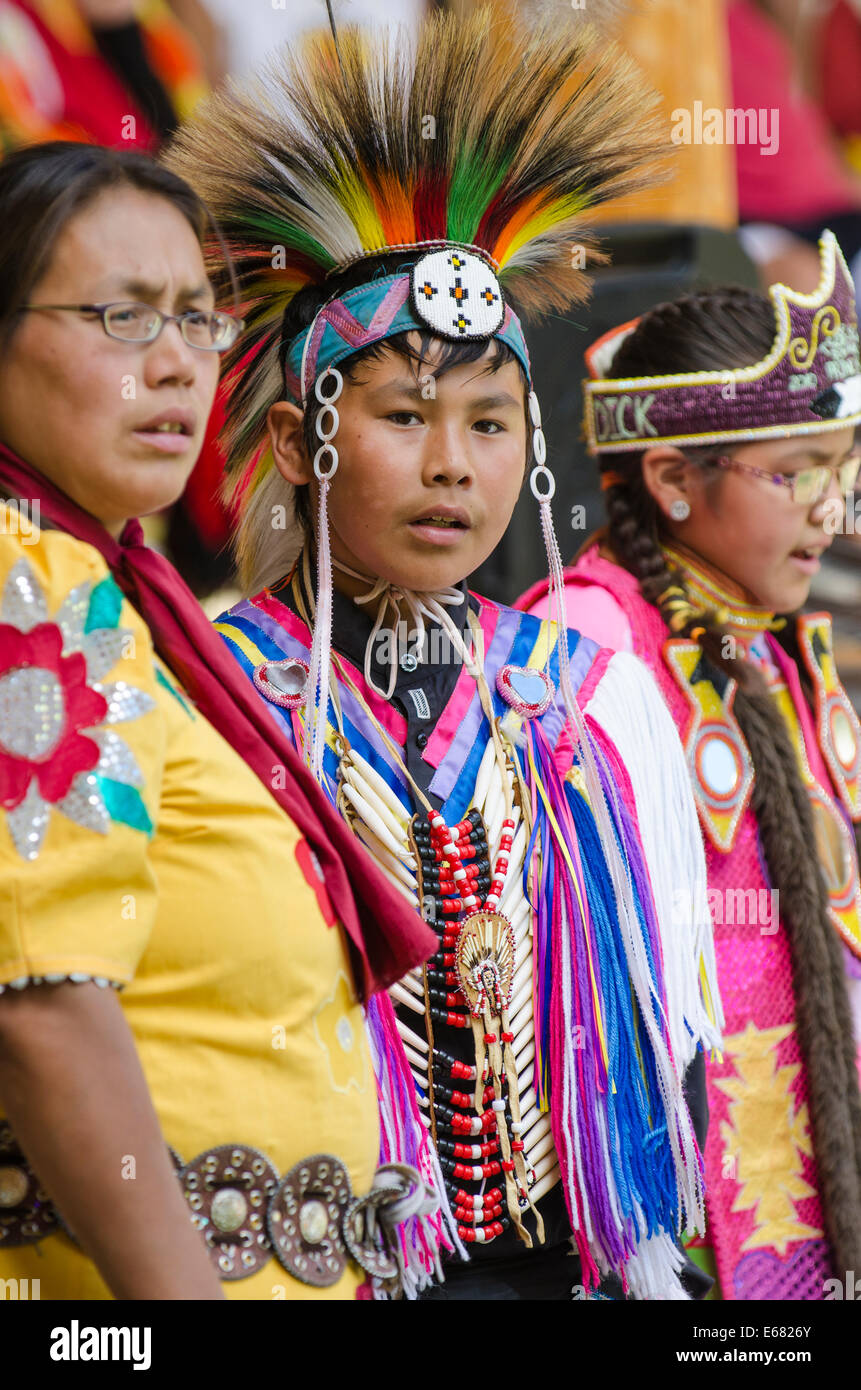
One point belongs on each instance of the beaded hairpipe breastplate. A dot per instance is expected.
(809, 382)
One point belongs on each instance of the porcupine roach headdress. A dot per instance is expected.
(477, 155)
(480, 149)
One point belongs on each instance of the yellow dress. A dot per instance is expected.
(170, 872)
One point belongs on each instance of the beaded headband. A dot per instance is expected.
(809, 382)
(450, 292)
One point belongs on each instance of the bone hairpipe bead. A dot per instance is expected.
(522, 975)
(526, 1054)
(409, 893)
(523, 995)
(540, 1150)
(538, 1139)
(529, 1109)
(545, 1184)
(404, 856)
(546, 1166)
(519, 1021)
(395, 827)
(404, 872)
(414, 986)
(494, 816)
(408, 1036)
(482, 780)
(365, 789)
(417, 1062)
(404, 997)
(519, 915)
(370, 817)
(522, 1035)
(524, 1085)
(381, 787)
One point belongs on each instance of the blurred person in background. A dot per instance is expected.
(251, 29)
(837, 73)
(115, 72)
(786, 198)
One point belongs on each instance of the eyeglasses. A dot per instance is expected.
(809, 484)
(208, 329)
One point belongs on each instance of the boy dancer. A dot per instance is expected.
(524, 789)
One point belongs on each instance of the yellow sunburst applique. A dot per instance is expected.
(766, 1135)
(339, 1031)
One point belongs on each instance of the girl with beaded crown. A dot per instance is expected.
(381, 206)
(724, 425)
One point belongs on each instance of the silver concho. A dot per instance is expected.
(26, 1213)
(228, 1189)
(368, 1240)
(305, 1219)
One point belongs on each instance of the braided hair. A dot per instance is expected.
(714, 331)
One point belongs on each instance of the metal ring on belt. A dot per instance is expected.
(309, 1219)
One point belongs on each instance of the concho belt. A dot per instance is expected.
(309, 1219)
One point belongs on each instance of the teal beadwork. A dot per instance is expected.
(106, 603)
(125, 804)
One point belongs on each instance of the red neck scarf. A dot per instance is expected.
(386, 936)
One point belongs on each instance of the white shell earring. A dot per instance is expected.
(680, 510)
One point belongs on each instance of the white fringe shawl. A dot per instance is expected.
(629, 708)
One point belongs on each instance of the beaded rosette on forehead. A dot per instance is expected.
(808, 383)
(451, 292)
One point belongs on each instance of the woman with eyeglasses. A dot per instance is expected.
(724, 425)
(188, 1107)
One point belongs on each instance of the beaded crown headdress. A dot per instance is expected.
(808, 382)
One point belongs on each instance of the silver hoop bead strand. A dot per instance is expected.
(339, 386)
(327, 434)
(546, 476)
(333, 466)
(539, 443)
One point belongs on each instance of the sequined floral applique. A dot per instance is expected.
(54, 752)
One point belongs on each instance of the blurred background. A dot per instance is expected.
(127, 71)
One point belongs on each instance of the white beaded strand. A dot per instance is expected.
(321, 645)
